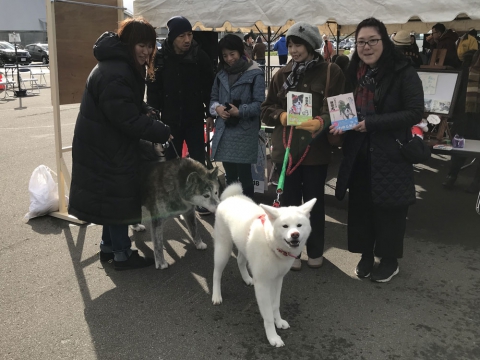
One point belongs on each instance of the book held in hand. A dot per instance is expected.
(343, 113)
(299, 106)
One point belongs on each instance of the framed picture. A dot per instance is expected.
(440, 89)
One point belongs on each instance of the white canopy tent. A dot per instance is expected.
(347, 13)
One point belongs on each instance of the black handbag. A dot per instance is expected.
(415, 151)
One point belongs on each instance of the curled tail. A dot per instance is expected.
(232, 190)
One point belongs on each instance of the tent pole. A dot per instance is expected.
(269, 41)
(338, 36)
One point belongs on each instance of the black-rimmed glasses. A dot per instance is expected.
(371, 42)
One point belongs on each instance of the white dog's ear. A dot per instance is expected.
(308, 206)
(272, 212)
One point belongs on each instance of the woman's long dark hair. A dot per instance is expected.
(137, 30)
(386, 62)
(230, 42)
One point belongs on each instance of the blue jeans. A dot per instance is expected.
(115, 239)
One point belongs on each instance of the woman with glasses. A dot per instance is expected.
(389, 100)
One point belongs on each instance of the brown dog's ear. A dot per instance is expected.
(192, 179)
(214, 173)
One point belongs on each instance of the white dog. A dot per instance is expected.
(268, 239)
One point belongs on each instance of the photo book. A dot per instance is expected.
(343, 113)
(299, 105)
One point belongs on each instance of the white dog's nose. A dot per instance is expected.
(295, 235)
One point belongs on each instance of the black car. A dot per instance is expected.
(39, 52)
(7, 55)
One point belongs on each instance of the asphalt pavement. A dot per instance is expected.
(58, 301)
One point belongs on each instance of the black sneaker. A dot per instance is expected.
(449, 182)
(387, 269)
(108, 256)
(365, 266)
(202, 211)
(135, 261)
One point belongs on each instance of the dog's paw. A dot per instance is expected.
(138, 227)
(217, 299)
(281, 324)
(249, 281)
(276, 341)
(201, 245)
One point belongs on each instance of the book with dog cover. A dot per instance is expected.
(299, 105)
(343, 113)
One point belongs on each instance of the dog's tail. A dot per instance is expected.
(232, 190)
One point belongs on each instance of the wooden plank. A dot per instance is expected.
(77, 29)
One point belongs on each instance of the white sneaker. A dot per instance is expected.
(297, 265)
(315, 263)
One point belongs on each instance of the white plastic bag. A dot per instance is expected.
(43, 193)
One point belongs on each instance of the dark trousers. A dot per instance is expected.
(115, 239)
(194, 137)
(282, 59)
(305, 183)
(235, 172)
(372, 229)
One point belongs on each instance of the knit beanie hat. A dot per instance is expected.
(177, 25)
(307, 32)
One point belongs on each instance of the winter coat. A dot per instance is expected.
(448, 41)
(105, 187)
(313, 81)
(466, 43)
(399, 105)
(281, 46)
(238, 144)
(259, 51)
(182, 86)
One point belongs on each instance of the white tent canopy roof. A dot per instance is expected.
(245, 13)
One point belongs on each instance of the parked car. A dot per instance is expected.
(39, 52)
(7, 55)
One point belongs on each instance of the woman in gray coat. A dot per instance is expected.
(237, 93)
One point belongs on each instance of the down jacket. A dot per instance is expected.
(312, 81)
(398, 106)
(238, 144)
(105, 186)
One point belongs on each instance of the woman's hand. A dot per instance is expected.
(361, 127)
(234, 111)
(220, 109)
(335, 131)
(312, 125)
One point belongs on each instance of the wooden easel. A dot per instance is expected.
(437, 60)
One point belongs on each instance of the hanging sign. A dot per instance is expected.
(13, 38)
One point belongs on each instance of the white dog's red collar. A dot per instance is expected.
(285, 253)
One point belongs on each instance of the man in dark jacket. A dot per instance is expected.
(445, 39)
(181, 89)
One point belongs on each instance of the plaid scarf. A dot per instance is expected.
(297, 70)
(365, 90)
(472, 102)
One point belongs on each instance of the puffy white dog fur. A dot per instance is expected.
(268, 239)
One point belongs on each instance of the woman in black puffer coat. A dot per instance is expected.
(389, 101)
(105, 186)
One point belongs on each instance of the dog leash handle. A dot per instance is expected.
(281, 179)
